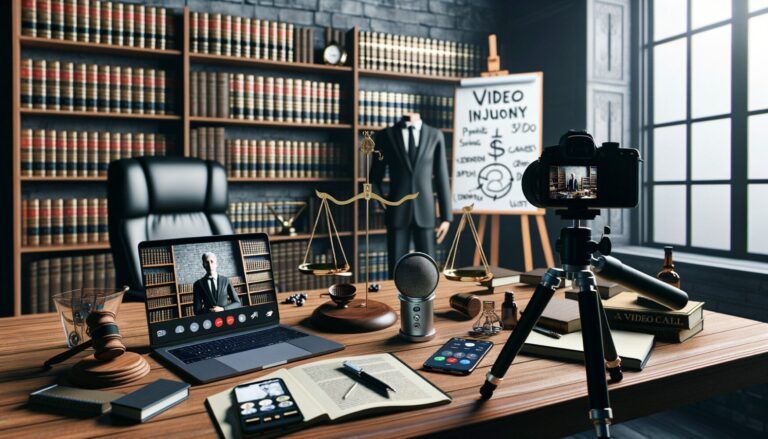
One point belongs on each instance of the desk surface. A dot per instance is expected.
(539, 397)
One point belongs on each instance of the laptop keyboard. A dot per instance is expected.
(236, 343)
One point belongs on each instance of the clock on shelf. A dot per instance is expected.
(334, 55)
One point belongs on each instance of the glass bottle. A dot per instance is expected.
(489, 322)
(668, 273)
(509, 311)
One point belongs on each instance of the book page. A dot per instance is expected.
(328, 383)
(223, 408)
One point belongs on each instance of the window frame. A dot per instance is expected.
(738, 115)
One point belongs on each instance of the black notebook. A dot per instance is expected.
(73, 401)
(150, 400)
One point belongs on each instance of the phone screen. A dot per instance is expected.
(459, 355)
(265, 405)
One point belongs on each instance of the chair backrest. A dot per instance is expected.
(151, 198)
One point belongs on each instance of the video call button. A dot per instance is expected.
(464, 361)
(230, 320)
(207, 324)
(218, 322)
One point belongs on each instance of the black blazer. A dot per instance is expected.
(204, 299)
(406, 179)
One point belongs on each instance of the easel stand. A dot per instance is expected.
(494, 69)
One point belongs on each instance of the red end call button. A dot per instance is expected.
(451, 360)
(218, 322)
(230, 320)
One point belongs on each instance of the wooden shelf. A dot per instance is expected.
(98, 114)
(268, 64)
(66, 247)
(287, 180)
(173, 305)
(110, 49)
(268, 123)
(409, 76)
(378, 128)
(63, 179)
(302, 236)
(160, 284)
(166, 264)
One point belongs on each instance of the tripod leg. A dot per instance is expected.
(612, 359)
(591, 333)
(530, 316)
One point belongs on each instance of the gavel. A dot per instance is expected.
(105, 339)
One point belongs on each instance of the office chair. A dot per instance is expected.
(152, 198)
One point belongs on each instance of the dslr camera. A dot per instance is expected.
(578, 175)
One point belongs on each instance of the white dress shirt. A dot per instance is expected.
(215, 277)
(416, 133)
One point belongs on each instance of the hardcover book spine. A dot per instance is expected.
(223, 94)
(66, 85)
(290, 42)
(57, 19)
(150, 90)
(256, 40)
(288, 100)
(269, 98)
(245, 37)
(141, 36)
(50, 154)
(213, 104)
(72, 153)
(53, 92)
(106, 23)
(298, 104)
(226, 35)
(250, 97)
(282, 36)
(150, 28)
(103, 88)
(215, 34)
(61, 153)
(274, 40)
(204, 31)
(26, 78)
(236, 48)
(279, 95)
(27, 162)
(44, 18)
(129, 24)
(29, 18)
(194, 32)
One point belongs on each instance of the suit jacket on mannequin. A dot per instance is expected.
(406, 178)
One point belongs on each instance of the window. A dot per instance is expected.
(705, 126)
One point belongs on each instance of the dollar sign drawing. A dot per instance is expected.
(496, 149)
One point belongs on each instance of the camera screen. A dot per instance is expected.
(573, 182)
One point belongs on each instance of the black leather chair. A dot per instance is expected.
(153, 198)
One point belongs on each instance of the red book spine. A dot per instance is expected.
(29, 18)
(60, 159)
(82, 154)
(57, 221)
(25, 75)
(72, 153)
(50, 153)
(45, 222)
(82, 220)
(26, 152)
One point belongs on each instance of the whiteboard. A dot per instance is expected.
(497, 133)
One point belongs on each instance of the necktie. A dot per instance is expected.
(213, 288)
(411, 145)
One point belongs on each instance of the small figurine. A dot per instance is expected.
(373, 288)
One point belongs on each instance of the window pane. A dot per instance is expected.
(711, 216)
(669, 18)
(669, 214)
(756, 5)
(711, 150)
(757, 218)
(711, 72)
(757, 152)
(669, 153)
(758, 62)
(669, 82)
(704, 12)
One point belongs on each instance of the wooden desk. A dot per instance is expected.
(539, 397)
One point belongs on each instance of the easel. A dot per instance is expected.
(494, 69)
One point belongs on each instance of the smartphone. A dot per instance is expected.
(459, 356)
(266, 405)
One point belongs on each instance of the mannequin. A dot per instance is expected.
(412, 171)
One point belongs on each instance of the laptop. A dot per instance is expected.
(212, 307)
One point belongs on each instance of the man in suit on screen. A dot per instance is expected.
(213, 293)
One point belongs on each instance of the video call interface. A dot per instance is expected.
(572, 182)
(193, 288)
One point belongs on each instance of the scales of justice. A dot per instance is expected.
(358, 315)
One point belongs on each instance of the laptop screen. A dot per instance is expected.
(207, 286)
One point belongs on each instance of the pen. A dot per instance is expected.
(546, 332)
(366, 377)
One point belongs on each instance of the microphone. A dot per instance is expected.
(416, 276)
(614, 270)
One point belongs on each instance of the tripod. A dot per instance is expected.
(575, 248)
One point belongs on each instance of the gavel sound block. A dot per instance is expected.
(110, 365)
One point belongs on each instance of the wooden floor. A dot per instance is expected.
(687, 422)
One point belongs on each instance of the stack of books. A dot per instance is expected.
(253, 97)
(378, 266)
(98, 21)
(63, 85)
(59, 221)
(418, 55)
(220, 34)
(384, 108)
(47, 277)
(631, 312)
(285, 159)
(62, 153)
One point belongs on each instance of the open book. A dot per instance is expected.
(319, 388)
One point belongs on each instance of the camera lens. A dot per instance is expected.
(530, 183)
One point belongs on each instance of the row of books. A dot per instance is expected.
(50, 153)
(253, 97)
(287, 256)
(47, 277)
(378, 266)
(255, 247)
(46, 221)
(60, 85)
(97, 21)
(221, 34)
(418, 55)
(256, 216)
(158, 277)
(156, 256)
(384, 108)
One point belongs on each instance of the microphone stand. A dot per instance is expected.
(576, 247)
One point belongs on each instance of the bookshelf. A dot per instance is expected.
(179, 63)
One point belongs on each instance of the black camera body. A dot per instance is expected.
(576, 174)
